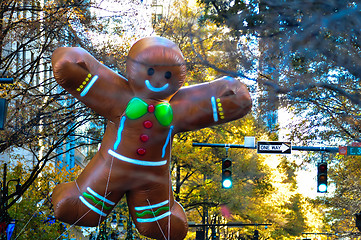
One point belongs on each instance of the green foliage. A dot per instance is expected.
(33, 212)
(230, 13)
(341, 206)
(295, 218)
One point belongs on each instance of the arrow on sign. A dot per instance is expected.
(274, 147)
(284, 147)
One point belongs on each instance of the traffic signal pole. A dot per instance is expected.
(272, 147)
(266, 148)
(231, 224)
(297, 148)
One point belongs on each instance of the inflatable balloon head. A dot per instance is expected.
(155, 68)
(144, 112)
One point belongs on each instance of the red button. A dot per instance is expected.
(141, 151)
(147, 124)
(151, 108)
(144, 138)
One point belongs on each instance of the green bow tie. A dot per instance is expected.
(137, 108)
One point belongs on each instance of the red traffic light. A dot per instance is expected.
(322, 168)
(226, 163)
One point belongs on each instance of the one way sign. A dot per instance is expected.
(269, 147)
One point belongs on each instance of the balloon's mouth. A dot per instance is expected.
(155, 89)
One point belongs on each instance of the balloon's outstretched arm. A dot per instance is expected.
(90, 81)
(207, 104)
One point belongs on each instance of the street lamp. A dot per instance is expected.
(117, 227)
(114, 223)
(115, 231)
(5, 217)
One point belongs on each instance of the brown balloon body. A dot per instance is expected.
(144, 111)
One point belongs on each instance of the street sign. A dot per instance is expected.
(349, 150)
(354, 151)
(270, 147)
(342, 150)
(7, 80)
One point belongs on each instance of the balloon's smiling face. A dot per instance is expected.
(156, 72)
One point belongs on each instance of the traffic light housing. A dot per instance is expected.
(322, 177)
(226, 173)
(255, 235)
(200, 234)
(358, 221)
(3, 112)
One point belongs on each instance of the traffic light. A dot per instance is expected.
(3, 103)
(3, 112)
(322, 177)
(358, 221)
(255, 235)
(200, 234)
(226, 173)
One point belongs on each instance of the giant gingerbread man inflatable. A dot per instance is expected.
(144, 111)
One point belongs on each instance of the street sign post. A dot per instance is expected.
(271, 147)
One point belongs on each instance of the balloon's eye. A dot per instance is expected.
(150, 71)
(168, 75)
